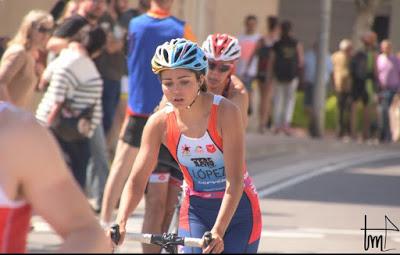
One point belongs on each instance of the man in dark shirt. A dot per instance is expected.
(286, 61)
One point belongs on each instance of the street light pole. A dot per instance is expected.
(320, 88)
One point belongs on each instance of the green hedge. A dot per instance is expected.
(331, 113)
(300, 120)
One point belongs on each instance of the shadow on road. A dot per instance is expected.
(375, 183)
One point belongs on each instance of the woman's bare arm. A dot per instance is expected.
(145, 163)
(233, 137)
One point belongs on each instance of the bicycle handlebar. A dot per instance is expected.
(164, 240)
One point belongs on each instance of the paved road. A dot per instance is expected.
(325, 213)
(314, 195)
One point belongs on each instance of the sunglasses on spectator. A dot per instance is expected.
(45, 30)
(222, 68)
(98, 1)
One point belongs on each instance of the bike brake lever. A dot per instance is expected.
(115, 235)
(207, 238)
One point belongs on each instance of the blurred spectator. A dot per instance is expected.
(388, 70)
(125, 15)
(362, 67)
(62, 10)
(342, 84)
(263, 54)
(58, 8)
(111, 66)
(286, 61)
(73, 76)
(310, 81)
(71, 8)
(247, 66)
(111, 63)
(394, 116)
(19, 68)
(88, 13)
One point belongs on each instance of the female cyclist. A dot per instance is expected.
(204, 133)
(222, 51)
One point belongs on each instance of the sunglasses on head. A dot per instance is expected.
(222, 68)
(46, 30)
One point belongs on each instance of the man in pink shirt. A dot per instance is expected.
(388, 70)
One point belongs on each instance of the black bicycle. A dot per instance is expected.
(168, 241)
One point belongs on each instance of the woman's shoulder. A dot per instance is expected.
(16, 48)
(160, 116)
(228, 113)
(15, 51)
(15, 123)
(226, 106)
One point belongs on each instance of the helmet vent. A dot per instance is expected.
(234, 53)
(166, 56)
(178, 54)
(230, 47)
(188, 61)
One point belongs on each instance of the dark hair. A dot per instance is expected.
(93, 40)
(286, 27)
(272, 22)
(203, 86)
(250, 17)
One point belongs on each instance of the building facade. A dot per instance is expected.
(210, 16)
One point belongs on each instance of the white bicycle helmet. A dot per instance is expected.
(221, 47)
(179, 53)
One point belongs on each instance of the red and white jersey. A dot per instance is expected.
(14, 224)
(14, 217)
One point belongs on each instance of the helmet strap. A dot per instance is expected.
(194, 100)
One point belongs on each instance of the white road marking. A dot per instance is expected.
(303, 177)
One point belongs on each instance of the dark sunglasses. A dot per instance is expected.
(222, 68)
(45, 30)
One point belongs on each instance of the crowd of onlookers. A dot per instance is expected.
(369, 76)
(73, 56)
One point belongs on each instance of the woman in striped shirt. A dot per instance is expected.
(73, 76)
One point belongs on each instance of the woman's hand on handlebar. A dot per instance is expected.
(216, 245)
(116, 234)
